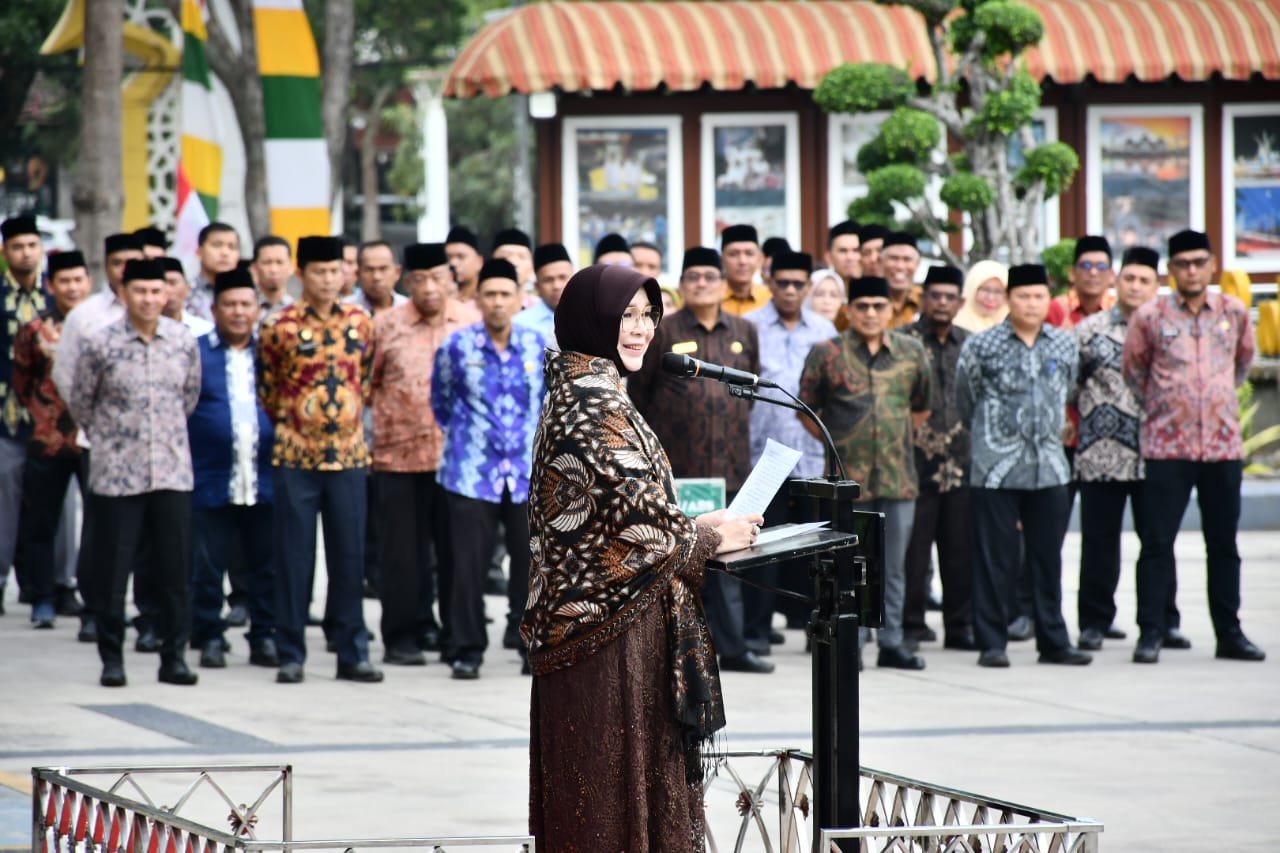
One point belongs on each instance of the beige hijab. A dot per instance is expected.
(971, 316)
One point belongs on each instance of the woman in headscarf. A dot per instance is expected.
(827, 294)
(626, 690)
(985, 296)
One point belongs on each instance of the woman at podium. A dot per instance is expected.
(626, 691)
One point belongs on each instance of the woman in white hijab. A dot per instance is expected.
(827, 293)
(985, 302)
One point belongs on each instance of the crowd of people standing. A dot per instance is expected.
(208, 423)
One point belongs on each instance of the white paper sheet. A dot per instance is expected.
(765, 479)
(786, 531)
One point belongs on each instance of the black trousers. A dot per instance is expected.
(222, 537)
(941, 518)
(996, 512)
(1165, 495)
(44, 490)
(412, 517)
(122, 525)
(472, 527)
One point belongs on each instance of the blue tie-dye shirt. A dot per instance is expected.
(488, 403)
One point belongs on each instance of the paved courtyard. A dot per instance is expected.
(1183, 756)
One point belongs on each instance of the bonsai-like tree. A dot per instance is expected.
(983, 97)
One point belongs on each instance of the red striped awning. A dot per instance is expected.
(683, 45)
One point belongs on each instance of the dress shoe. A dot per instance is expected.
(176, 672)
(237, 616)
(465, 670)
(777, 638)
(922, 634)
(43, 615)
(1066, 657)
(429, 640)
(289, 673)
(405, 657)
(761, 648)
(264, 653)
(511, 637)
(112, 675)
(148, 642)
(1175, 639)
(896, 657)
(66, 602)
(1021, 629)
(212, 655)
(1114, 633)
(1238, 647)
(932, 602)
(748, 661)
(1090, 640)
(1147, 650)
(993, 658)
(962, 642)
(88, 632)
(362, 672)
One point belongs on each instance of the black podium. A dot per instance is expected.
(845, 562)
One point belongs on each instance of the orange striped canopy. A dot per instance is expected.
(683, 45)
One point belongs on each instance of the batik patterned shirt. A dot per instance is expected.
(488, 402)
(18, 307)
(1013, 397)
(942, 441)
(313, 378)
(53, 432)
(1065, 311)
(1110, 415)
(866, 401)
(1184, 368)
(133, 397)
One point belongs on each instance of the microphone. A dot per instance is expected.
(691, 368)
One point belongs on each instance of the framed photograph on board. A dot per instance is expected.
(750, 175)
(623, 175)
(1146, 173)
(1251, 186)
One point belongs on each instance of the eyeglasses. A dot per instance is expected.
(1190, 263)
(1093, 265)
(631, 321)
(695, 277)
(868, 307)
(793, 283)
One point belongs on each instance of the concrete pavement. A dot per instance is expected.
(1182, 756)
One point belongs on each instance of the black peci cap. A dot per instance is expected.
(739, 234)
(1142, 256)
(1021, 275)
(549, 253)
(868, 287)
(318, 250)
(143, 270)
(940, 274)
(424, 256)
(701, 256)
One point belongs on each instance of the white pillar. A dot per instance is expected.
(433, 222)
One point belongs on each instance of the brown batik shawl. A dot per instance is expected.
(610, 541)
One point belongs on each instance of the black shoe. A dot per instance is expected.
(429, 640)
(1021, 629)
(761, 648)
(777, 638)
(896, 657)
(112, 675)
(1238, 647)
(1090, 640)
(962, 642)
(176, 672)
(748, 661)
(362, 672)
(289, 673)
(921, 634)
(511, 637)
(993, 658)
(66, 603)
(237, 616)
(525, 669)
(88, 630)
(1175, 639)
(1066, 657)
(1114, 633)
(148, 642)
(1147, 650)
(933, 602)
(212, 655)
(264, 653)
(465, 670)
(405, 657)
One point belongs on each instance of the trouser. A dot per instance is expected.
(339, 498)
(412, 517)
(472, 526)
(996, 512)
(66, 549)
(13, 456)
(941, 517)
(1165, 495)
(1101, 523)
(373, 534)
(898, 517)
(162, 518)
(218, 536)
(44, 498)
(793, 575)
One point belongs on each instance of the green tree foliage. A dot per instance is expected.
(983, 98)
(55, 80)
(482, 147)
